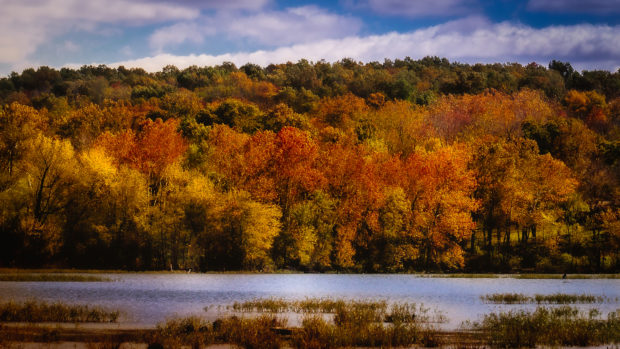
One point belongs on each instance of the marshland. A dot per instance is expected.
(318, 310)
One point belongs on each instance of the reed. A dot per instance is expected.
(563, 325)
(506, 298)
(33, 311)
(363, 327)
(561, 298)
(327, 323)
(318, 305)
(245, 332)
(263, 305)
(557, 298)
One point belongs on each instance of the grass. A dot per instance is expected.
(196, 332)
(561, 298)
(359, 328)
(52, 277)
(33, 311)
(403, 312)
(350, 323)
(263, 305)
(565, 326)
(557, 298)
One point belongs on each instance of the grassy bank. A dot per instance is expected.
(566, 326)
(34, 311)
(556, 298)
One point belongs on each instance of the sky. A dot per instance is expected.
(151, 34)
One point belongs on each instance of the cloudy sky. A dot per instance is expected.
(154, 33)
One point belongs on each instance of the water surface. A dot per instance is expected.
(148, 299)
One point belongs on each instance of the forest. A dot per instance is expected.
(402, 166)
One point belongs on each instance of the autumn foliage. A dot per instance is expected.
(403, 166)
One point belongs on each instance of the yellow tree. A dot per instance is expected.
(18, 125)
(47, 177)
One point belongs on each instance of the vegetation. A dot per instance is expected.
(354, 323)
(33, 311)
(245, 332)
(565, 326)
(400, 166)
(380, 310)
(557, 298)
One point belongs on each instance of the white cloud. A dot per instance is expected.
(295, 25)
(273, 28)
(585, 46)
(27, 24)
(180, 33)
(222, 5)
(600, 7)
(70, 46)
(418, 8)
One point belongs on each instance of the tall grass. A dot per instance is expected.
(362, 325)
(245, 332)
(561, 298)
(33, 311)
(556, 298)
(550, 326)
(327, 323)
(263, 305)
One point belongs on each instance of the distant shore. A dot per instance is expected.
(9, 273)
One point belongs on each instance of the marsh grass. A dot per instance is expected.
(326, 324)
(561, 298)
(33, 311)
(397, 312)
(564, 325)
(263, 305)
(556, 298)
(245, 332)
(506, 298)
(362, 325)
(52, 277)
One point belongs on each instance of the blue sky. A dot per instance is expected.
(154, 33)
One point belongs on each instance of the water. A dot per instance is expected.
(147, 299)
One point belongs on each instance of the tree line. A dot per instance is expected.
(400, 166)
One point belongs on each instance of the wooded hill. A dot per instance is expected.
(406, 165)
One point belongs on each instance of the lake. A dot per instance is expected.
(147, 299)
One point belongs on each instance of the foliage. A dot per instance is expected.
(401, 166)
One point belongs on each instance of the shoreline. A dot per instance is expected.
(63, 335)
(9, 271)
(46, 333)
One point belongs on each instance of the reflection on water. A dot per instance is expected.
(151, 298)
